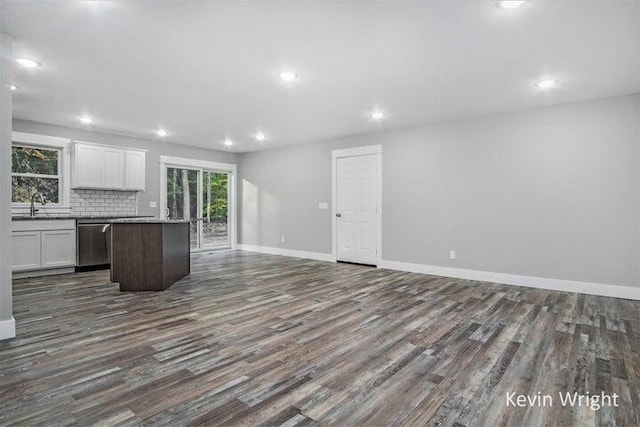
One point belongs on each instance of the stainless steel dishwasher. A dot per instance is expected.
(92, 244)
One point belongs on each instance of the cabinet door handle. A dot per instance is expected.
(338, 215)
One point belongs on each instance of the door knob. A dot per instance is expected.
(338, 215)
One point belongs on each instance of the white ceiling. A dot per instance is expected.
(207, 70)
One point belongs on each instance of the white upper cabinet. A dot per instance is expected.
(107, 168)
(87, 166)
(113, 168)
(134, 175)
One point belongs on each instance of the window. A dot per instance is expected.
(35, 169)
(40, 163)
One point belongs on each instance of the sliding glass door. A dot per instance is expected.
(201, 197)
(182, 198)
(215, 210)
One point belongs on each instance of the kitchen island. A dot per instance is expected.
(149, 254)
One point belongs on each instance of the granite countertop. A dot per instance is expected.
(105, 217)
(147, 221)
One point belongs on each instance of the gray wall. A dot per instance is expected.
(6, 313)
(551, 192)
(155, 150)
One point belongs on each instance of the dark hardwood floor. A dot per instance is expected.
(251, 339)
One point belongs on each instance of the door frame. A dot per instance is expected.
(355, 152)
(202, 165)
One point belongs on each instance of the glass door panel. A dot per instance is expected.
(182, 199)
(215, 210)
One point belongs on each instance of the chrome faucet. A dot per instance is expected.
(33, 210)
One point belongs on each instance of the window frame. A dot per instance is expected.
(58, 152)
(45, 142)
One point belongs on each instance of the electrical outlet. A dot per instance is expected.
(282, 239)
(152, 204)
(323, 205)
(452, 254)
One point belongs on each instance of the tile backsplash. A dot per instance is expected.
(103, 202)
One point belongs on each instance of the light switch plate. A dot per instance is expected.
(152, 204)
(323, 205)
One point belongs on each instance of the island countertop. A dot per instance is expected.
(147, 221)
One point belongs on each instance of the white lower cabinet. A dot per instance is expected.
(43, 244)
(26, 250)
(58, 248)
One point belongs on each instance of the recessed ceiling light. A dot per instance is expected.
(87, 120)
(288, 76)
(162, 132)
(545, 84)
(14, 87)
(377, 115)
(260, 136)
(228, 142)
(28, 63)
(511, 4)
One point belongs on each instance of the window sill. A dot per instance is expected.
(42, 210)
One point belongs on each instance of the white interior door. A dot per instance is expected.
(356, 209)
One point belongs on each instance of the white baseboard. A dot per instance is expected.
(7, 329)
(512, 279)
(590, 288)
(45, 272)
(287, 252)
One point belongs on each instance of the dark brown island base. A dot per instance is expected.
(149, 254)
